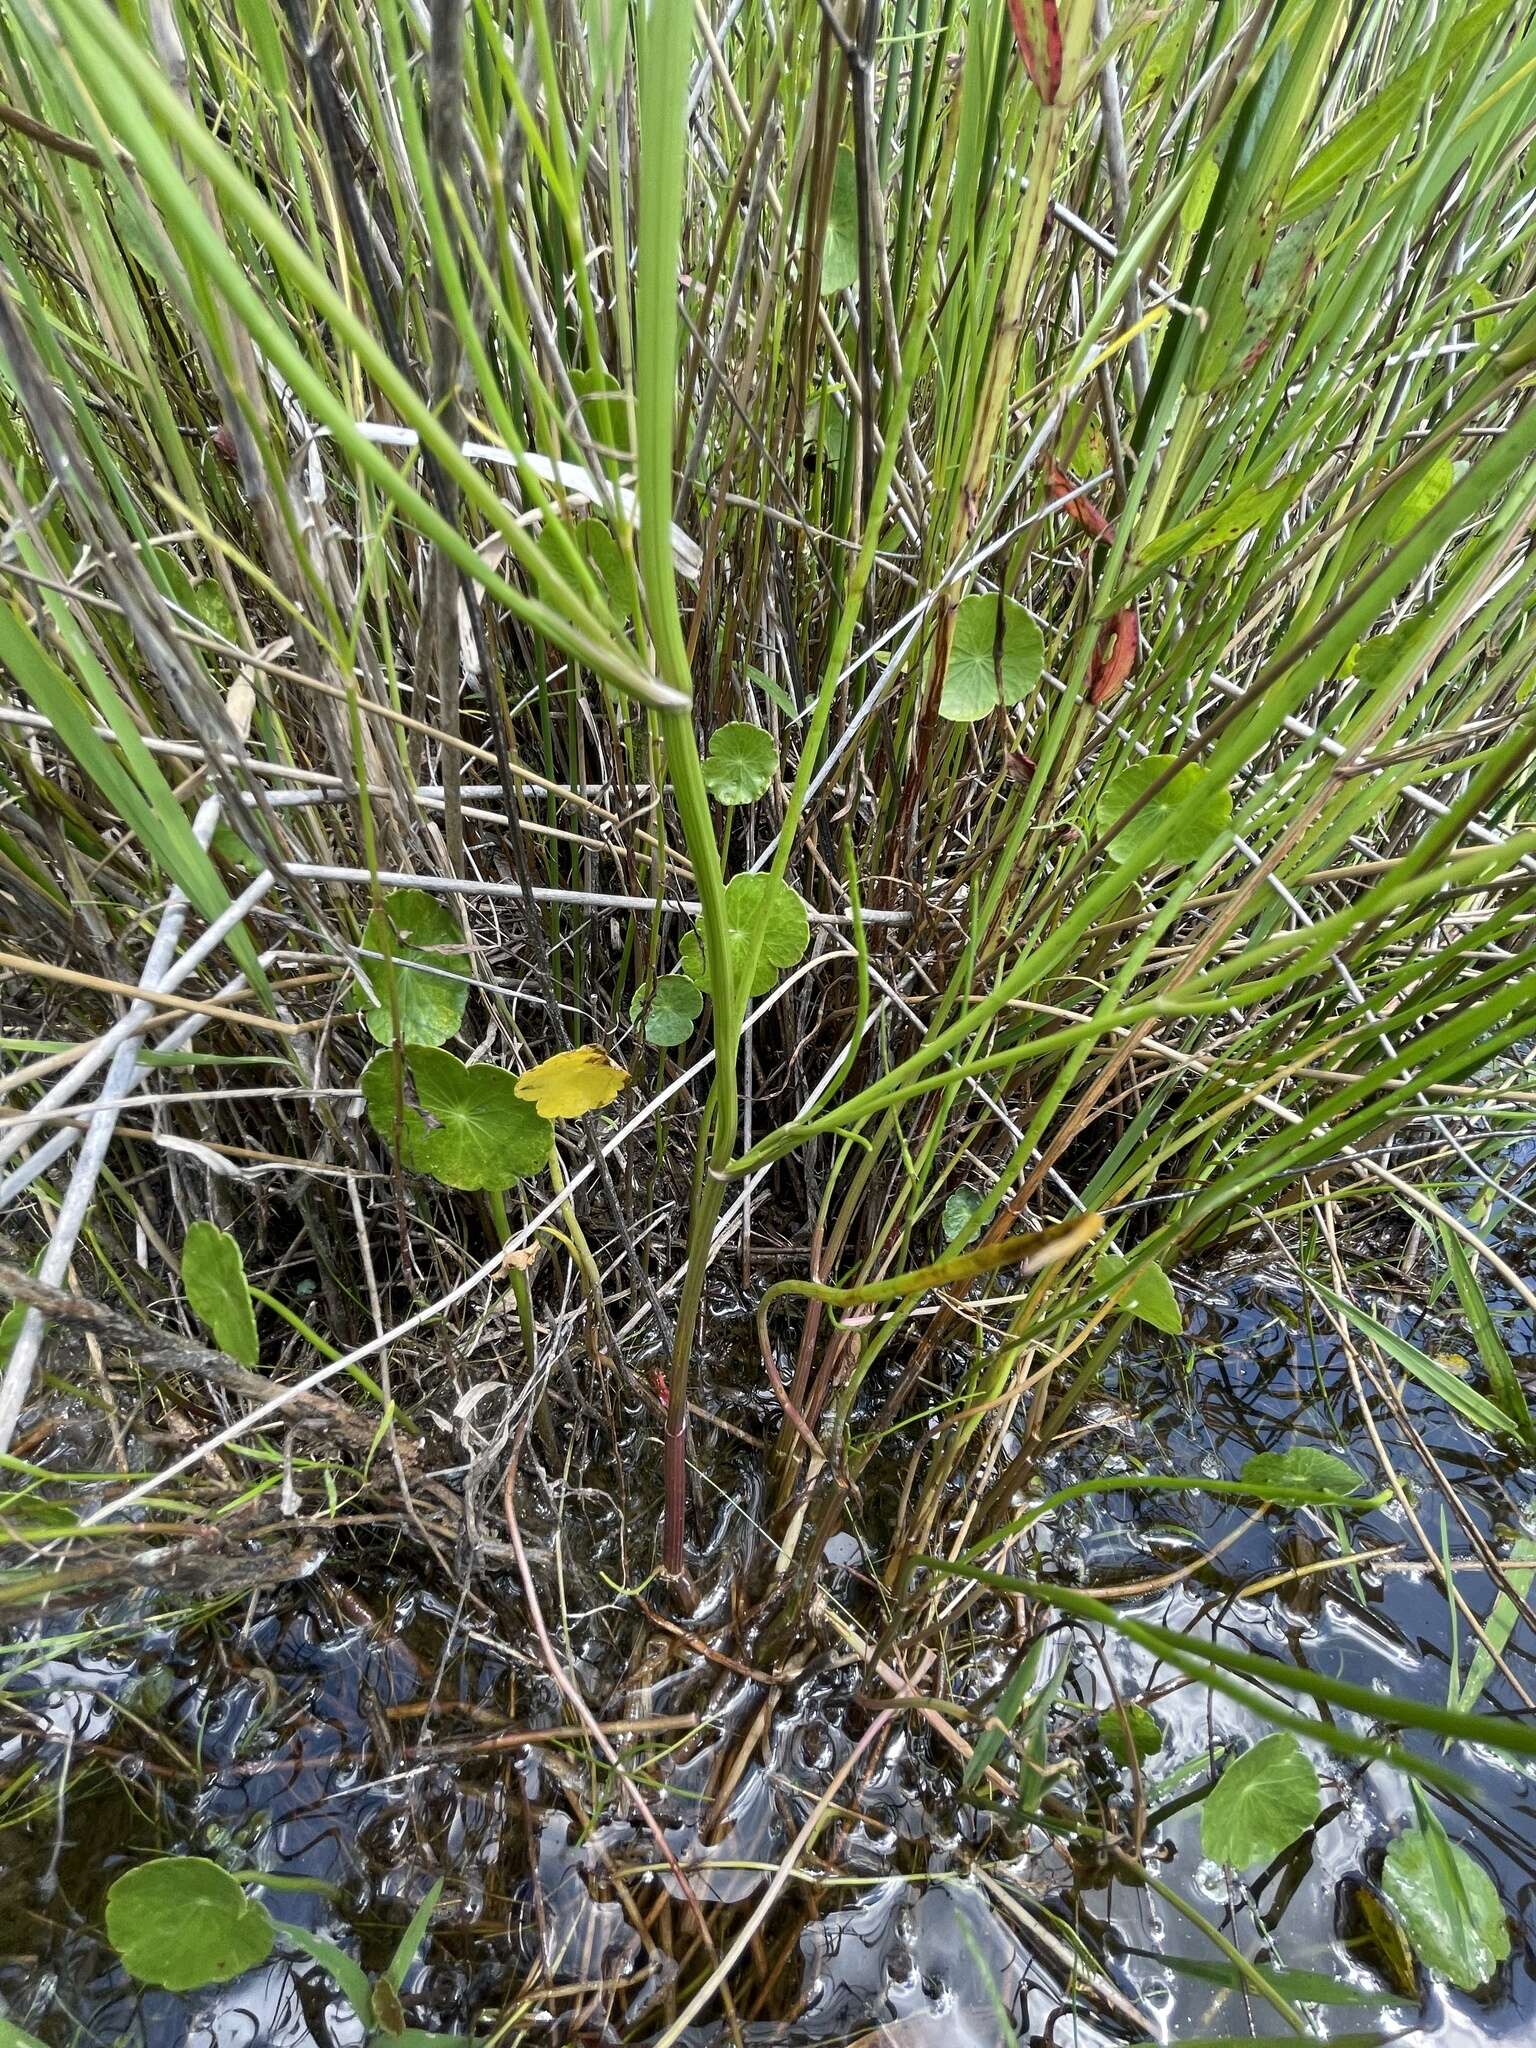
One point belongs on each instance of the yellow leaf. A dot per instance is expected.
(572, 1082)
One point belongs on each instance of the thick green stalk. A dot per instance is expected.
(666, 38)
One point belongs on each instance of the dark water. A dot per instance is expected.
(338, 1730)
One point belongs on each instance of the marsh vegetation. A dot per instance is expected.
(766, 871)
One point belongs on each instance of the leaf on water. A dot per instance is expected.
(482, 1135)
(1302, 1468)
(1379, 1934)
(213, 1275)
(741, 762)
(1151, 1298)
(985, 670)
(1177, 825)
(572, 1083)
(1260, 1804)
(419, 933)
(840, 249)
(960, 1207)
(181, 1922)
(1146, 1733)
(675, 1003)
(1446, 1901)
(753, 903)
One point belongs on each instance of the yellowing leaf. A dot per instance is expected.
(572, 1082)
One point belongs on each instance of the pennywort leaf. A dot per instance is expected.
(995, 657)
(182, 1921)
(573, 1082)
(466, 1126)
(753, 902)
(1446, 1901)
(413, 951)
(670, 1012)
(741, 763)
(1173, 827)
(1261, 1802)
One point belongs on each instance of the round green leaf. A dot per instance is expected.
(417, 932)
(1151, 1298)
(1486, 329)
(958, 1211)
(985, 670)
(755, 903)
(1146, 1733)
(213, 608)
(213, 1274)
(604, 558)
(181, 1921)
(1447, 1903)
(675, 1003)
(741, 763)
(228, 845)
(1177, 825)
(467, 1126)
(1373, 659)
(1260, 1804)
(1301, 1467)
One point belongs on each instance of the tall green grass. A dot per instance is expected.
(426, 428)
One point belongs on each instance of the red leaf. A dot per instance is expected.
(1114, 656)
(1082, 509)
(1037, 31)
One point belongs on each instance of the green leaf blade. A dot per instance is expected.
(741, 763)
(995, 658)
(1447, 1903)
(468, 1126)
(213, 1275)
(416, 965)
(1175, 825)
(182, 1922)
(1261, 1803)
